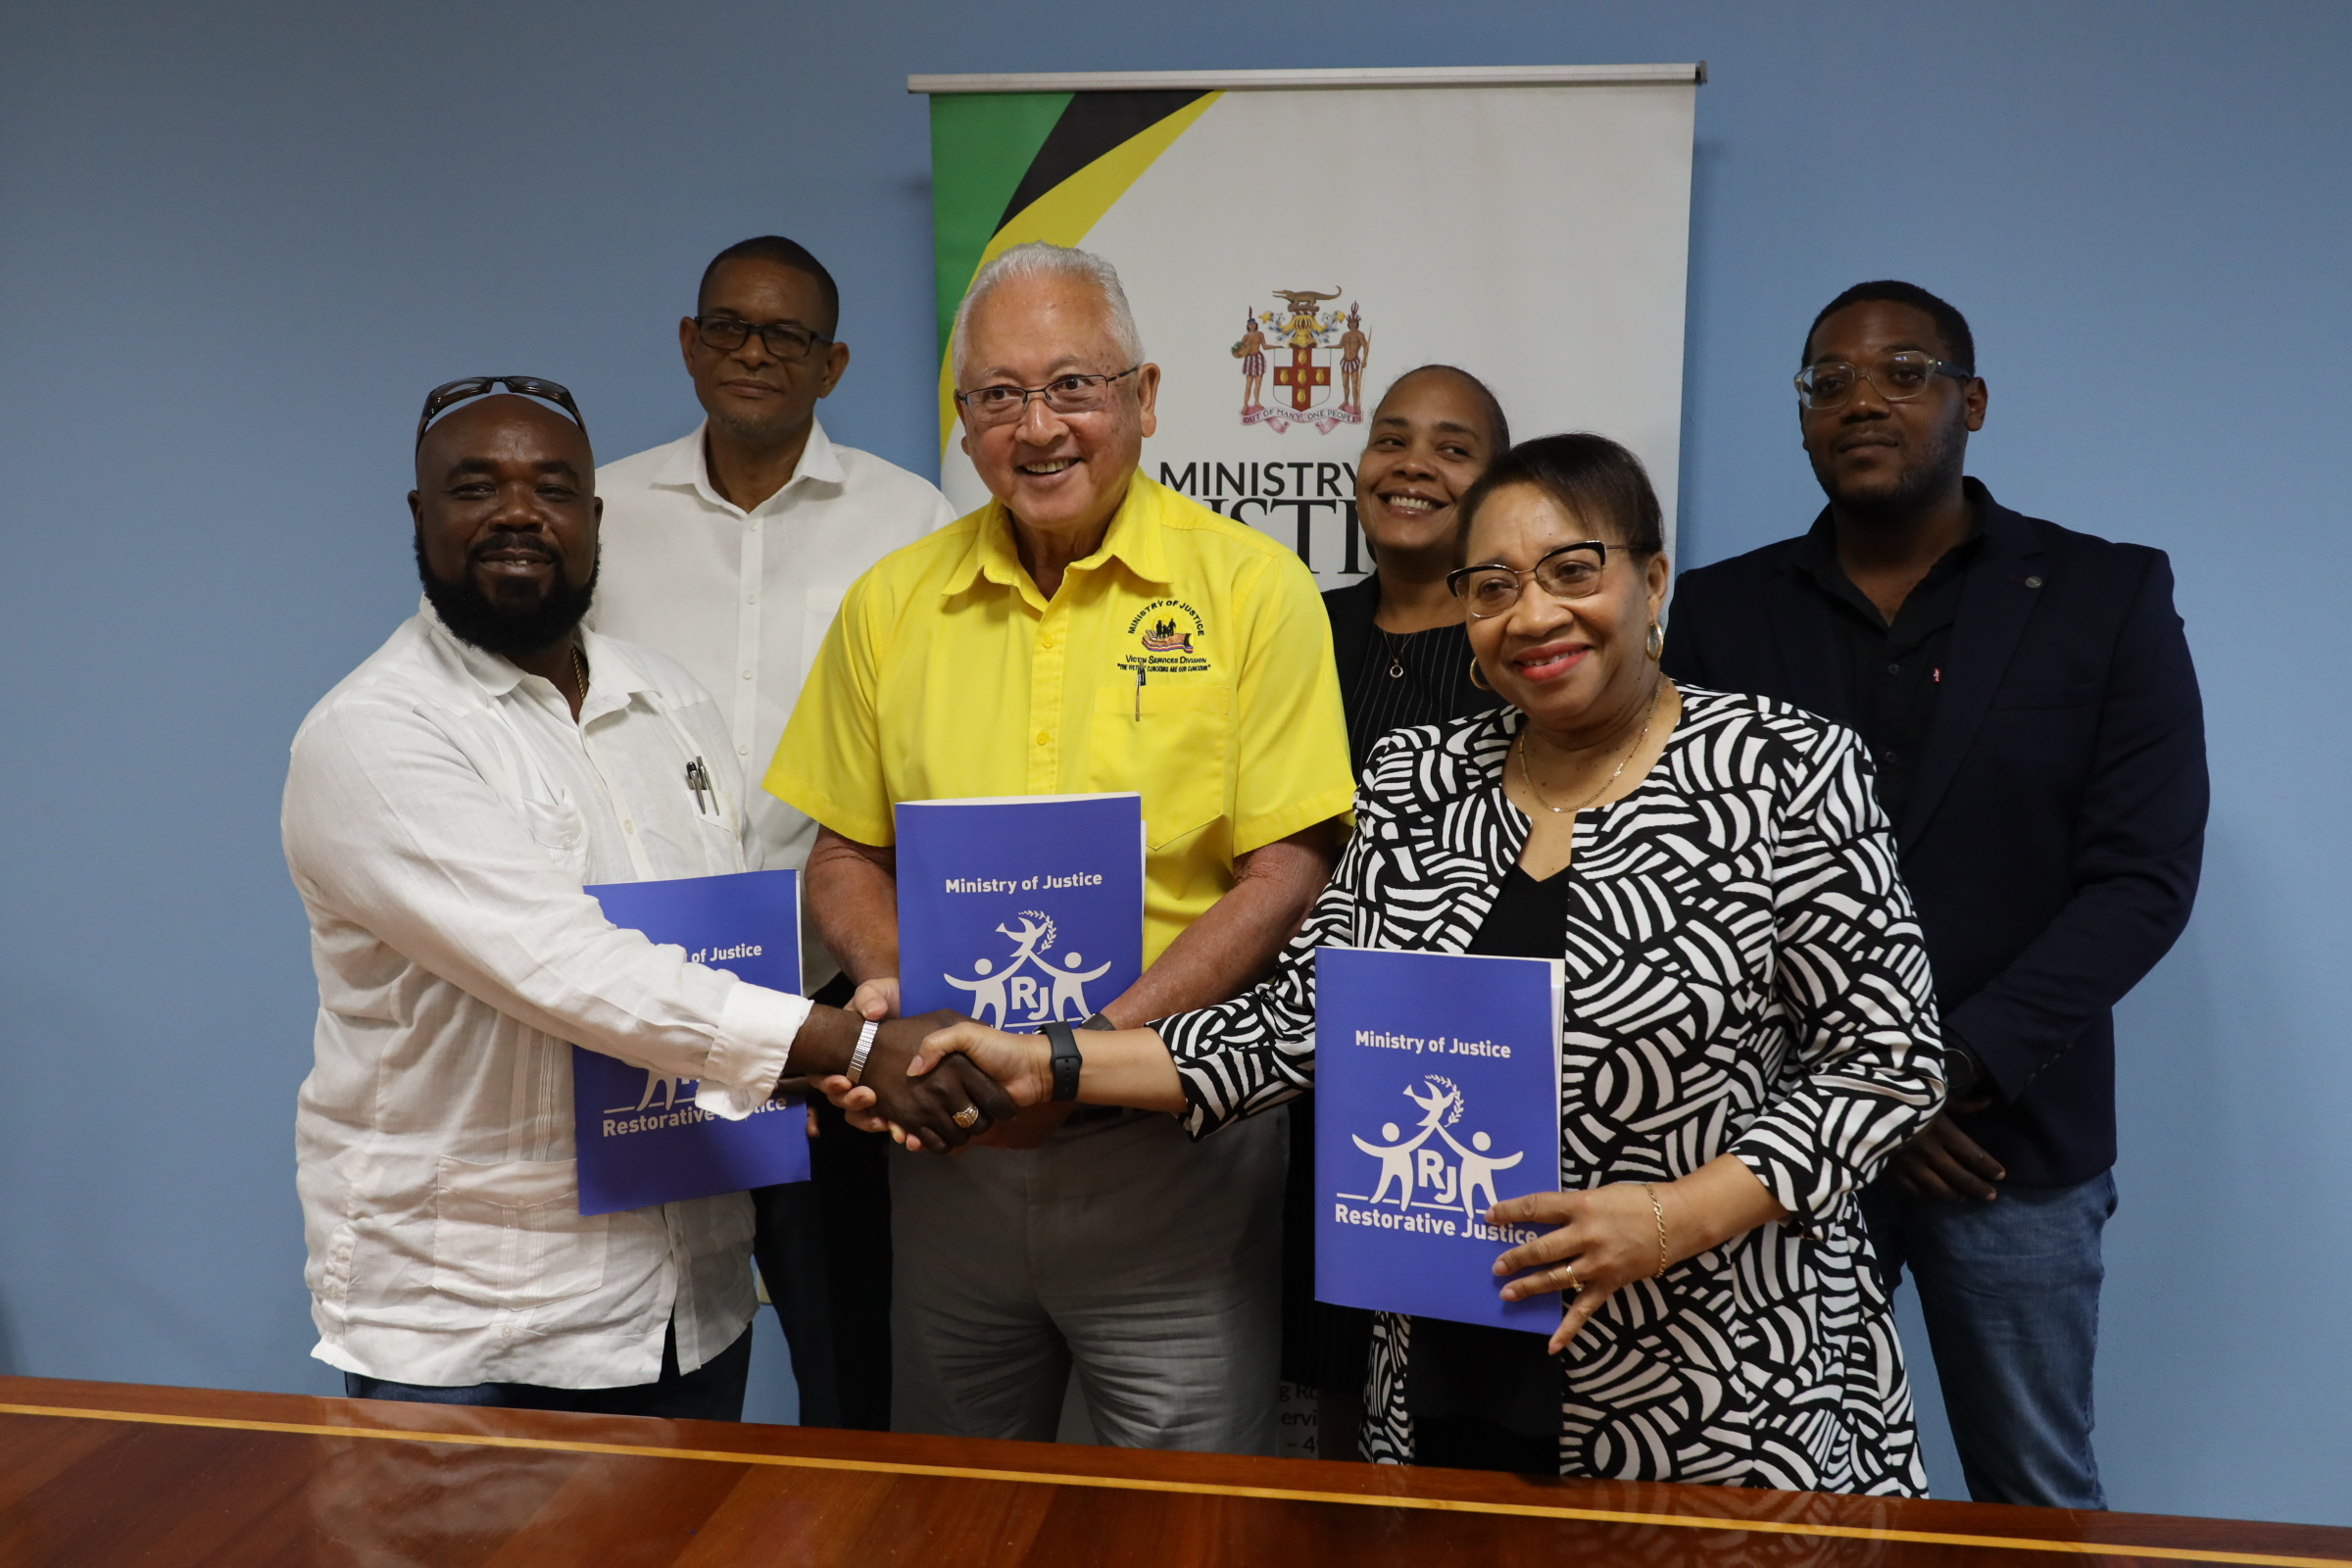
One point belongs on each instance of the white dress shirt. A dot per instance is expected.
(443, 810)
(744, 599)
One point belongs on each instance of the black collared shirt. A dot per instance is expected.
(1893, 670)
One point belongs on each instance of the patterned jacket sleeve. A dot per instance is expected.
(1253, 1053)
(1865, 1069)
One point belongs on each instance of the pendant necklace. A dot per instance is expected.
(1528, 773)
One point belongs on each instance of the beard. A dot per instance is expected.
(505, 630)
(1928, 474)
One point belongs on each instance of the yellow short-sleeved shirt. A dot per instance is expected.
(1187, 658)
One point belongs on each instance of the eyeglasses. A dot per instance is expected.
(786, 340)
(1898, 378)
(1569, 572)
(449, 393)
(1004, 402)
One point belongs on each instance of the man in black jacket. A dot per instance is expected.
(2028, 697)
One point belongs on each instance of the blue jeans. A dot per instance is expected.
(2010, 1290)
(712, 1391)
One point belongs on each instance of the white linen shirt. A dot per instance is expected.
(442, 812)
(744, 599)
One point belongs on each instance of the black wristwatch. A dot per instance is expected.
(1068, 1062)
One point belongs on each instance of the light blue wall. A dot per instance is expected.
(238, 241)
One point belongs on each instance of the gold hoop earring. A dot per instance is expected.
(1654, 645)
(1474, 679)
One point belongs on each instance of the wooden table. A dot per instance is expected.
(98, 1474)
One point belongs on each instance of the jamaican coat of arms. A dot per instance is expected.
(1303, 327)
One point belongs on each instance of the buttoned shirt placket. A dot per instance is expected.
(1049, 673)
(751, 566)
(746, 707)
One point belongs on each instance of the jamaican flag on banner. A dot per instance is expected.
(1292, 241)
(1013, 167)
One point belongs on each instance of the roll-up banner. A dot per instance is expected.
(1290, 241)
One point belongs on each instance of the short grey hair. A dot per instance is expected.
(1038, 259)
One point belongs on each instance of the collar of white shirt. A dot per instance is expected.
(614, 679)
(689, 468)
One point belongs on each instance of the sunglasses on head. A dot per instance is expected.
(449, 393)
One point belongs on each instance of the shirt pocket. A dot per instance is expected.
(1169, 743)
(511, 1234)
(558, 827)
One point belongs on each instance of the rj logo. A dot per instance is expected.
(1419, 1165)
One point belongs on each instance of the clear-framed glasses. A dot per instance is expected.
(449, 393)
(1002, 403)
(1567, 571)
(788, 342)
(1898, 378)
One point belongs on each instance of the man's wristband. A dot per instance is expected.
(1068, 1064)
(865, 1047)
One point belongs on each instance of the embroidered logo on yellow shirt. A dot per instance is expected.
(1167, 634)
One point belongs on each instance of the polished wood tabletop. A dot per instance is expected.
(100, 1474)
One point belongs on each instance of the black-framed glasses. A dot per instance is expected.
(1565, 571)
(1002, 403)
(1898, 378)
(788, 342)
(449, 393)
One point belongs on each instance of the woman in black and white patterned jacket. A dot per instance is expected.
(1751, 1028)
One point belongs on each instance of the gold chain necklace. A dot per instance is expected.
(579, 672)
(1528, 773)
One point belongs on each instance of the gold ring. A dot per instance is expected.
(1573, 1284)
(967, 1116)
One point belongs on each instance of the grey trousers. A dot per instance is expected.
(1148, 1264)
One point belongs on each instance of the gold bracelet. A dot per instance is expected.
(1660, 1211)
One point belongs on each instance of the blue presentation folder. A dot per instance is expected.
(1437, 1093)
(641, 1139)
(1021, 911)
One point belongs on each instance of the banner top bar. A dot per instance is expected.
(1695, 73)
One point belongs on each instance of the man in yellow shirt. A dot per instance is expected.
(1087, 630)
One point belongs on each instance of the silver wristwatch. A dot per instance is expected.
(865, 1045)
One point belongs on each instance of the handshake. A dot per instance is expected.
(934, 1082)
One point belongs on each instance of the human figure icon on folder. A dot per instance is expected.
(987, 989)
(671, 1090)
(1035, 996)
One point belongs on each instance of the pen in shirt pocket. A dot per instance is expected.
(1138, 693)
(698, 779)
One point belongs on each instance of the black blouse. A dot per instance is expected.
(1467, 1370)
